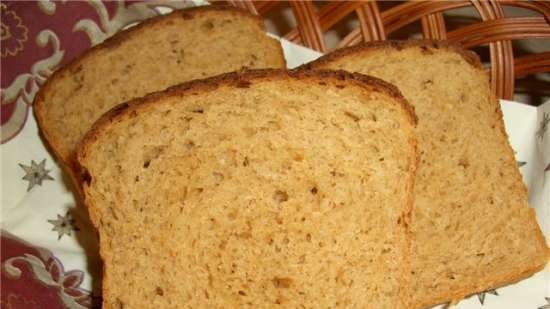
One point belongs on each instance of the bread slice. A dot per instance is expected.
(265, 189)
(472, 227)
(158, 53)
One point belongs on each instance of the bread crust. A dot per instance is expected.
(112, 42)
(469, 56)
(513, 275)
(244, 79)
(238, 79)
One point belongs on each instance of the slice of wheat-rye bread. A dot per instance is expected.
(262, 189)
(154, 55)
(472, 227)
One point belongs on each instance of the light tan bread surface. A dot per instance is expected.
(266, 189)
(472, 227)
(158, 53)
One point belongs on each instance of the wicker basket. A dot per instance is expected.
(380, 20)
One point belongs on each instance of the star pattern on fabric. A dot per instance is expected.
(547, 306)
(519, 163)
(35, 173)
(543, 126)
(481, 296)
(64, 225)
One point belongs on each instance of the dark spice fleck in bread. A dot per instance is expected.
(259, 189)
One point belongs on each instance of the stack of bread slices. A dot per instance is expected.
(378, 176)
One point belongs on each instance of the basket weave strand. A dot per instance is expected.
(494, 29)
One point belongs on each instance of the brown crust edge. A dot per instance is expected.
(237, 79)
(472, 59)
(121, 36)
(407, 223)
(497, 282)
(469, 56)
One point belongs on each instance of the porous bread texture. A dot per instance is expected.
(472, 227)
(184, 45)
(265, 189)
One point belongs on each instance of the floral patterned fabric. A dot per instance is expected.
(39, 37)
(32, 278)
(59, 267)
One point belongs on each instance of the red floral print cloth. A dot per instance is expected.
(33, 278)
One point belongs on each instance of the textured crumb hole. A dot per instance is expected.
(276, 125)
(189, 145)
(242, 293)
(299, 157)
(253, 59)
(159, 291)
(373, 117)
(249, 131)
(198, 110)
(352, 116)
(86, 177)
(112, 212)
(245, 235)
(282, 283)
(207, 25)
(233, 214)
(314, 190)
(218, 177)
(463, 162)
(280, 196)
(119, 304)
(427, 83)
(246, 162)
(152, 154)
